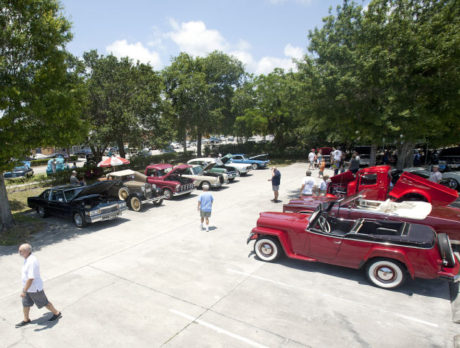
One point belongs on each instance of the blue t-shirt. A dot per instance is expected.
(276, 179)
(206, 200)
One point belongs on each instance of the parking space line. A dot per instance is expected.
(335, 297)
(218, 329)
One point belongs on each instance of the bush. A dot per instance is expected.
(251, 148)
(39, 162)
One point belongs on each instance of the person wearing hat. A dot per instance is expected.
(73, 178)
(436, 175)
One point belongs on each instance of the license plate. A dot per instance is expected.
(108, 217)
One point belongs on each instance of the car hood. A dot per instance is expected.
(261, 157)
(96, 188)
(209, 166)
(343, 178)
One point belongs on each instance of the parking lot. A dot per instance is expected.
(155, 279)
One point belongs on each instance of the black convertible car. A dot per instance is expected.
(84, 204)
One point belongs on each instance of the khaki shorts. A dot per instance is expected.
(38, 298)
(205, 214)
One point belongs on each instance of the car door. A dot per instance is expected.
(323, 246)
(57, 204)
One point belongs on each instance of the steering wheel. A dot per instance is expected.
(324, 224)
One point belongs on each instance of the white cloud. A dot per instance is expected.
(136, 51)
(194, 38)
(293, 52)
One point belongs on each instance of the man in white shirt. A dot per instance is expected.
(436, 176)
(311, 159)
(32, 290)
(307, 185)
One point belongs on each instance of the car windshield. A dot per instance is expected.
(196, 170)
(313, 217)
(70, 194)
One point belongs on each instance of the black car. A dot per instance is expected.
(21, 171)
(84, 204)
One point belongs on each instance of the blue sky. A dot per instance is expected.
(263, 34)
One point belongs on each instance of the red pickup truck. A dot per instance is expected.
(169, 179)
(377, 183)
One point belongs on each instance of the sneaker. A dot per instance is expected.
(201, 227)
(55, 317)
(23, 323)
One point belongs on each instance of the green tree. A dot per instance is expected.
(201, 90)
(386, 72)
(271, 105)
(123, 102)
(42, 93)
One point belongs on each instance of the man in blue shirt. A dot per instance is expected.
(205, 201)
(275, 179)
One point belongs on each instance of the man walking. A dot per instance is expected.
(205, 201)
(436, 175)
(276, 180)
(32, 291)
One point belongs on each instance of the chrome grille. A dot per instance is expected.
(109, 209)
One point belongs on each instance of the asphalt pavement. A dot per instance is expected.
(154, 278)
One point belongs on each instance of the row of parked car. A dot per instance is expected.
(120, 190)
(392, 231)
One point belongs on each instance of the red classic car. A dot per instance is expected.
(169, 179)
(377, 182)
(387, 250)
(441, 219)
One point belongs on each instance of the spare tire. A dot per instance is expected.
(445, 248)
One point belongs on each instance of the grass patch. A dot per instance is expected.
(23, 229)
(18, 199)
(24, 180)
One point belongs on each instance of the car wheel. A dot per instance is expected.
(123, 193)
(42, 212)
(205, 183)
(167, 193)
(386, 274)
(453, 184)
(157, 204)
(445, 248)
(267, 249)
(135, 203)
(79, 220)
(254, 166)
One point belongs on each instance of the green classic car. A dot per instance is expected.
(214, 168)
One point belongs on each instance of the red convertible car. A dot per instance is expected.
(441, 219)
(389, 251)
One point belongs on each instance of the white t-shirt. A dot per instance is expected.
(308, 184)
(436, 177)
(337, 155)
(31, 270)
(311, 156)
(323, 186)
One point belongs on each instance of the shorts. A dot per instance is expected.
(205, 214)
(38, 298)
(276, 187)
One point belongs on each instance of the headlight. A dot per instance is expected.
(143, 188)
(94, 212)
(177, 186)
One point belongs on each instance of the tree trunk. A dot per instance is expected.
(405, 152)
(6, 218)
(198, 143)
(372, 155)
(121, 148)
(185, 143)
